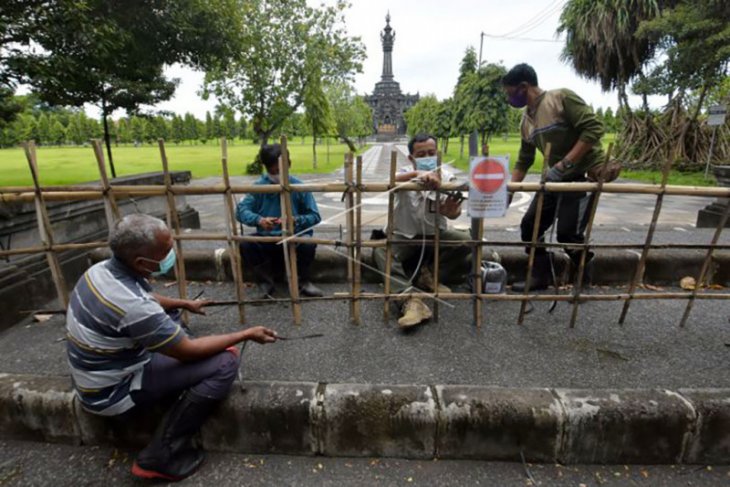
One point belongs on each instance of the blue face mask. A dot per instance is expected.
(427, 163)
(165, 264)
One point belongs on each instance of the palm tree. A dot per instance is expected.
(601, 42)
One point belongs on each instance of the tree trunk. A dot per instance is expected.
(104, 115)
(461, 149)
(314, 151)
(350, 143)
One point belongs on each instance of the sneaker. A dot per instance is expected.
(425, 281)
(310, 290)
(415, 311)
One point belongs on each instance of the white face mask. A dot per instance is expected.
(275, 178)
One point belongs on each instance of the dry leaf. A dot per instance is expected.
(170, 284)
(688, 283)
(645, 474)
(651, 287)
(41, 318)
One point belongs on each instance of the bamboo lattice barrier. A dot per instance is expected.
(352, 190)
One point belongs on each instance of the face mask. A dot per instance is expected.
(275, 178)
(426, 163)
(518, 100)
(165, 264)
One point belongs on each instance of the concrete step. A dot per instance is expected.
(569, 426)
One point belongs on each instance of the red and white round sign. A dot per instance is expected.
(488, 176)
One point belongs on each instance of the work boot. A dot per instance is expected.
(415, 311)
(171, 454)
(542, 275)
(575, 261)
(308, 289)
(264, 288)
(425, 281)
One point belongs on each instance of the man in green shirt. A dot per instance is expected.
(563, 120)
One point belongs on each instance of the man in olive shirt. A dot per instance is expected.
(563, 120)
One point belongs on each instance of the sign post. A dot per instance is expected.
(716, 117)
(488, 177)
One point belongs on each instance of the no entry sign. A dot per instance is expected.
(488, 175)
(488, 178)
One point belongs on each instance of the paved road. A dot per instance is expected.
(649, 351)
(615, 210)
(41, 464)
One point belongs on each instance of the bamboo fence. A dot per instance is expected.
(352, 189)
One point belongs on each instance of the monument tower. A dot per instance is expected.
(387, 101)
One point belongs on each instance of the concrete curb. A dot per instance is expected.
(410, 421)
(609, 267)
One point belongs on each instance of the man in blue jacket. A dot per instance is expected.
(263, 211)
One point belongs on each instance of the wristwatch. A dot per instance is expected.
(567, 164)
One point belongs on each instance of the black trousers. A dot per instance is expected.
(268, 257)
(572, 218)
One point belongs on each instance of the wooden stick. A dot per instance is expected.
(44, 226)
(639, 275)
(287, 228)
(110, 205)
(436, 240)
(535, 232)
(8, 195)
(477, 280)
(357, 274)
(350, 222)
(389, 233)
(53, 248)
(578, 284)
(705, 266)
(232, 231)
(173, 221)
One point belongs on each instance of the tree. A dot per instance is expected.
(317, 112)
(284, 44)
(87, 51)
(601, 42)
(422, 117)
(190, 128)
(444, 123)
(230, 129)
(57, 133)
(139, 130)
(352, 116)
(467, 68)
(481, 102)
(209, 129)
(177, 129)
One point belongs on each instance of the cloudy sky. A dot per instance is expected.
(431, 37)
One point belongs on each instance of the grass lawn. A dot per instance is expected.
(70, 165)
(500, 147)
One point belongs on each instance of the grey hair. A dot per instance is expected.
(135, 234)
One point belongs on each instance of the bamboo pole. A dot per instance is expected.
(287, 228)
(53, 248)
(357, 274)
(111, 210)
(173, 221)
(232, 231)
(705, 266)
(436, 240)
(639, 275)
(460, 297)
(389, 232)
(535, 232)
(20, 195)
(44, 226)
(350, 223)
(578, 284)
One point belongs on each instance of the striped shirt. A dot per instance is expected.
(113, 324)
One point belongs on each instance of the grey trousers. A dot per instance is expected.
(454, 261)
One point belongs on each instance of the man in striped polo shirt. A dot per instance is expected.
(126, 349)
(562, 119)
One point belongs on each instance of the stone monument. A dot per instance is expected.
(387, 101)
